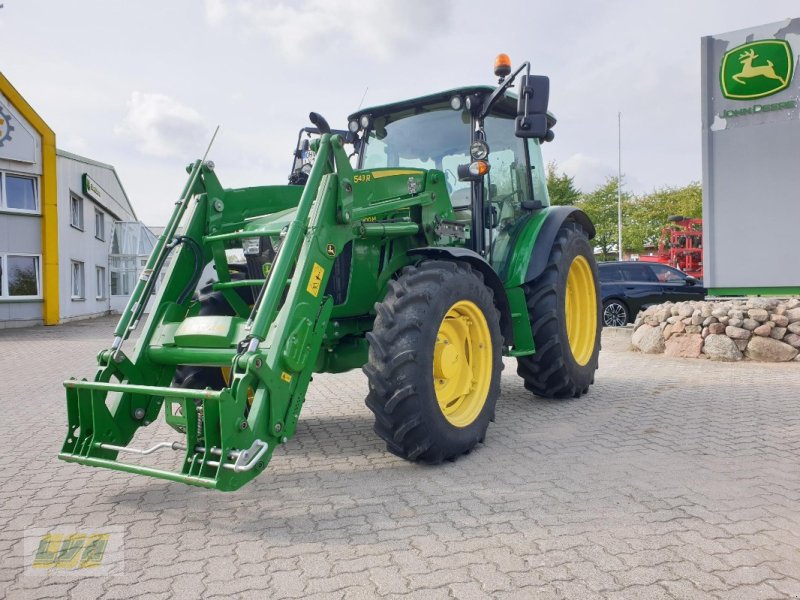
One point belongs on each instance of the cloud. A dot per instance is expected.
(163, 127)
(589, 172)
(216, 11)
(369, 29)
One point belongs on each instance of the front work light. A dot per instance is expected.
(456, 102)
(353, 126)
(365, 121)
(479, 150)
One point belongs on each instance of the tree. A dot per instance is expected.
(601, 207)
(561, 187)
(647, 215)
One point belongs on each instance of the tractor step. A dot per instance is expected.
(219, 452)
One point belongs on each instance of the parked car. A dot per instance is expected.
(628, 287)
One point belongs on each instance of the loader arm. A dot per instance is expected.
(271, 348)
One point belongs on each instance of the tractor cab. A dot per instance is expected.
(476, 137)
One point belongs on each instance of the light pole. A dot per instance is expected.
(619, 185)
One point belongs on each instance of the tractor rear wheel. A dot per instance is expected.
(434, 362)
(564, 309)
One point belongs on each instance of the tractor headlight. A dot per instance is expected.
(251, 246)
(479, 150)
(353, 126)
(365, 121)
(456, 103)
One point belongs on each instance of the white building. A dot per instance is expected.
(57, 216)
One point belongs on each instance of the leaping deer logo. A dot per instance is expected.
(749, 71)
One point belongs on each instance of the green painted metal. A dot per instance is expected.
(755, 291)
(346, 229)
(513, 274)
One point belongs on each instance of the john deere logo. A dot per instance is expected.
(756, 70)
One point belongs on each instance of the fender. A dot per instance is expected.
(532, 248)
(490, 278)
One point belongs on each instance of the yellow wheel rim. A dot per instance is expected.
(581, 310)
(462, 363)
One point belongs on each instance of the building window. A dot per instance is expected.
(78, 281)
(76, 212)
(18, 192)
(20, 276)
(99, 225)
(100, 277)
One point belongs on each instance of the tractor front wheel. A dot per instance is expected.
(434, 362)
(564, 310)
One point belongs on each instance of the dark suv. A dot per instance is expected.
(628, 287)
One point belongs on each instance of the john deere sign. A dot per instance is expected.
(751, 139)
(756, 70)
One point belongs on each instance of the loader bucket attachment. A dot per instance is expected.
(218, 451)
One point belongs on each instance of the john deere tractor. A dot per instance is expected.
(417, 244)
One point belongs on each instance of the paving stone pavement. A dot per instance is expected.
(673, 478)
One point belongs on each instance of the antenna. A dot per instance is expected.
(366, 89)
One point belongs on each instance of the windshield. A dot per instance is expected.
(433, 140)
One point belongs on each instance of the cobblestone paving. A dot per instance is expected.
(672, 479)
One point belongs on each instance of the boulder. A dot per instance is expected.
(685, 310)
(734, 322)
(673, 319)
(716, 328)
(741, 344)
(759, 314)
(762, 330)
(779, 320)
(777, 332)
(721, 347)
(694, 328)
(697, 319)
(684, 345)
(724, 320)
(736, 314)
(793, 314)
(750, 324)
(769, 350)
(737, 333)
(792, 303)
(792, 339)
(704, 333)
(709, 320)
(648, 339)
(719, 312)
(761, 303)
(706, 309)
(794, 327)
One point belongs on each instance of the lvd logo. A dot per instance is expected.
(70, 551)
(756, 69)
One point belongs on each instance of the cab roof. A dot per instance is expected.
(507, 106)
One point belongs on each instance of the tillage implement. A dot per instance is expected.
(417, 244)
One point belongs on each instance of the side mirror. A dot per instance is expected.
(691, 280)
(534, 95)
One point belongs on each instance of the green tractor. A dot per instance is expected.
(418, 244)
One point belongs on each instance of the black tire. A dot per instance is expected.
(553, 371)
(615, 313)
(402, 348)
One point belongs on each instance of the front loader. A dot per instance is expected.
(418, 244)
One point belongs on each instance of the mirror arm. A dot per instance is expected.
(487, 106)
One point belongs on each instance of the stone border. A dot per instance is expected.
(762, 329)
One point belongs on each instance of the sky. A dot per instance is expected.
(142, 85)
